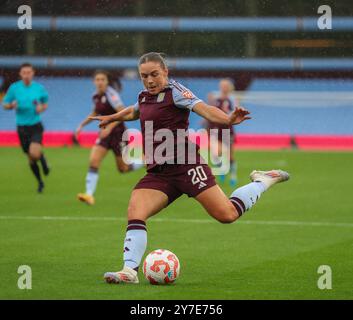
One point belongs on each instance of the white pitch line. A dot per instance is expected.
(249, 222)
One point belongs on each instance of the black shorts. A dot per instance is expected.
(29, 134)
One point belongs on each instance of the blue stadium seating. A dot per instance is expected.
(327, 117)
(70, 102)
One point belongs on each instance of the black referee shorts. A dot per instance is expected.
(29, 134)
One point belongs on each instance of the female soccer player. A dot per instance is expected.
(225, 101)
(29, 99)
(106, 101)
(165, 105)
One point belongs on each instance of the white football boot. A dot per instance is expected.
(127, 275)
(269, 178)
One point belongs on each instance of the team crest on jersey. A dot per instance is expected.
(114, 98)
(187, 94)
(103, 99)
(160, 97)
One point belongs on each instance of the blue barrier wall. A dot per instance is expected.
(70, 101)
(325, 107)
(180, 24)
(204, 64)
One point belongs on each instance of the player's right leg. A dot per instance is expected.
(233, 167)
(36, 137)
(98, 153)
(139, 210)
(227, 210)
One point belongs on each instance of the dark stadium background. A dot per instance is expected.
(296, 80)
(296, 61)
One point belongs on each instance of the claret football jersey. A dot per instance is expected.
(227, 105)
(107, 103)
(169, 109)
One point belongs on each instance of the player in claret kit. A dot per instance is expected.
(225, 100)
(106, 101)
(29, 99)
(166, 104)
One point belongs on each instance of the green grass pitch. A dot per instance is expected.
(273, 252)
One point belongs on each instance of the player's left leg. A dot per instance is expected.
(223, 153)
(98, 153)
(151, 194)
(119, 147)
(221, 156)
(233, 167)
(227, 210)
(135, 243)
(37, 137)
(124, 167)
(227, 147)
(215, 151)
(34, 154)
(44, 163)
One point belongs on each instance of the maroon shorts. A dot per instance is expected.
(177, 179)
(114, 140)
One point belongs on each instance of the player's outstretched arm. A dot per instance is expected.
(213, 114)
(239, 115)
(127, 114)
(85, 122)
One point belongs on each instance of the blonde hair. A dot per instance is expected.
(231, 83)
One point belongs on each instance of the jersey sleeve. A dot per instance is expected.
(136, 106)
(10, 95)
(183, 97)
(44, 97)
(114, 98)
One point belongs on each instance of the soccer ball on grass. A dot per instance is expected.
(161, 267)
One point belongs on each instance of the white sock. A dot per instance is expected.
(135, 243)
(246, 196)
(91, 182)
